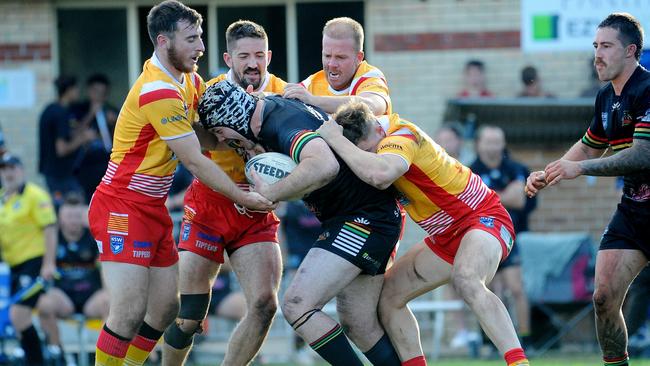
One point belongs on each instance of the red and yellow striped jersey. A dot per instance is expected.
(157, 108)
(229, 160)
(437, 189)
(367, 79)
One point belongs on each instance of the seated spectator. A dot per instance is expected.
(28, 244)
(474, 81)
(532, 84)
(450, 137)
(60, 141)
(97, 115)
(79, 287)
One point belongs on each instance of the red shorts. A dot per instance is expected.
(132, 232)
(490, 217)
(212, 224)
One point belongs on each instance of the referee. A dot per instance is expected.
(27, 243)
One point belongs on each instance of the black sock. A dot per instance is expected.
(383, 353)
(147, 331)
(31, 344)
(335, 348)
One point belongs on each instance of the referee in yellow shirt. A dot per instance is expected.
(28, 246)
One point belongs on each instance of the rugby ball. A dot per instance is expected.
(270, 166)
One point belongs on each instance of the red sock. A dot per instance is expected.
(112, 345)
(514, 355)
(415, 361)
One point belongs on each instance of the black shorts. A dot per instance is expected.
(629, 228)
(23, 276)
(366, 239)
(79, 290)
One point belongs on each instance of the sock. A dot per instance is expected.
(383, 353)
(616, 361)
(415, 361)
(515, 356)
(335, 348)
(111, 348)
(142, 345)
(31, 344)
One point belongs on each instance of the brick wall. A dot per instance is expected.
(26, 43)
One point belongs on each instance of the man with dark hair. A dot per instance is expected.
(361, 224)
(474, 81)
(621, 121)
(28, 245)
(213, 224)
(97, 115)
(532, 84)
(128, 217)
(60, 140)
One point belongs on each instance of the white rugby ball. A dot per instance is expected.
(270, 166)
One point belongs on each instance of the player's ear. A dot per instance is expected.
(360, 56)
(227, 59)
(269, 53)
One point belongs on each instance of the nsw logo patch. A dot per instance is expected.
(117, 244)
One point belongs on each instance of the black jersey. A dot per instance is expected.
(287, 126)
(618, 119)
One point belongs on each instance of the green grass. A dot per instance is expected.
(555, 361)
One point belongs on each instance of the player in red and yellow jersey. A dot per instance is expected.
(461, 215)
(213, 224)
(128, 218)
(345, 75)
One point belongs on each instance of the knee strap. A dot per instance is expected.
(194, 307)
(304, 318)
(176, 338)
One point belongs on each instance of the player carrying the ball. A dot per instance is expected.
(361, 223)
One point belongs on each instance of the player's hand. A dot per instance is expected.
(254, 201)
(48, 271)
(329, 130)
(297, 91)
(535, 182)
(562, 169)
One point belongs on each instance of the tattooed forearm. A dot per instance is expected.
(631, 160)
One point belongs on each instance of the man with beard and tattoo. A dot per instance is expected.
(361, 224)
(127, 216)
(212, 224)
(621, 121)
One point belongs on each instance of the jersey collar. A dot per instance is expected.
(156, 61)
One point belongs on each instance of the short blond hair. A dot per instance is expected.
(344, 27)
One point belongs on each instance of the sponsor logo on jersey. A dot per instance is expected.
(206, 246)
(646, 116)
(603, 117)
(323, 236)
(361, 220)
(141, 254)
(390, 145)
(186, 231)
(171, 119)
(507, 238)
(370, 259)
(117, 244)
(141, 244)
(100, 246)
(208, 237)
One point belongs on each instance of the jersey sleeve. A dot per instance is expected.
(373, 85)
(164, 108)
(642, 126)
(404, 146)
(595, 137)
(296, 141)
(42, 209)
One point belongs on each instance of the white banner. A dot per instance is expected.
(17, 88)
(570, 25)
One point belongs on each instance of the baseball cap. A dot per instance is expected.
(10, 160)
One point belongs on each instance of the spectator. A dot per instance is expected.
(450, 137)
(28, 244)
(594, 83)
(474, 81)
(507, 178)
(60, 140)
(97, 115)
(79, 288)
(532, 84)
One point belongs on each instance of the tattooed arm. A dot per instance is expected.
(633, 159)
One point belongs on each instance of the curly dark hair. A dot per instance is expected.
(356, 120)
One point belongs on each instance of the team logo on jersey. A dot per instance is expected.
(323, 236)
(362, 221)
(487, 221)
(603, 117)
(616, 106)
(117, 244)
(627, 118)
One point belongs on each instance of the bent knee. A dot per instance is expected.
(605, 300)
(264, 307)
(188, 326)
